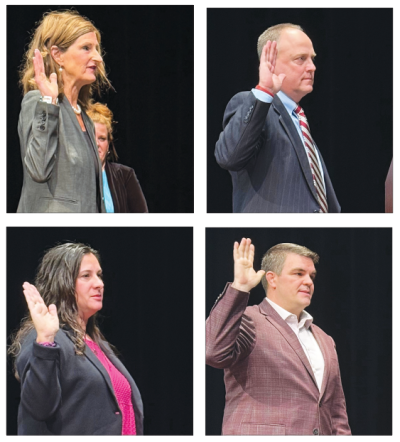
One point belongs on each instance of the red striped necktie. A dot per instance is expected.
(312, 157)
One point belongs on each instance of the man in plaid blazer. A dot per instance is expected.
(281, 371)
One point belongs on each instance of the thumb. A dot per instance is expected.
(260, 275)
(53, 78)
(282, 77)
(52, 310)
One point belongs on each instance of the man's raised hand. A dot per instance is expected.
(245, 277)
(268, 79)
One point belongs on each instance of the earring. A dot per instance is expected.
(60, 69)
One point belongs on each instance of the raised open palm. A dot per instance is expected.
(245, 277)
(47, 87)
(45, 319)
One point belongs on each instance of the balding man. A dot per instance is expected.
(266, 142)
(281, 371)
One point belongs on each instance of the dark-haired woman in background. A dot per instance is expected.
(121, 188)
(71, 381)
(62, 67)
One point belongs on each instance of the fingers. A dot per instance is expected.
(243, 250)
(38, 64)
(32, 297)
(273, 53)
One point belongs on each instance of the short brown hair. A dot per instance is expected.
(273, 33)
(61, 29)
(100, 113)
(275, 258)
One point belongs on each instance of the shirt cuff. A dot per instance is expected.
(262, 96)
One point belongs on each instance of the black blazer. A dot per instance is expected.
(66, 394)
(125, 189)
(265, 156)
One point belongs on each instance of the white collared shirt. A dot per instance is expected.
(306, 338)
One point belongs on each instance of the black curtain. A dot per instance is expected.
(146, 314)
(350, 110)
(352, 302)
(149, 60)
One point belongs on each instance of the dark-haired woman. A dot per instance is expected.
(71, 381)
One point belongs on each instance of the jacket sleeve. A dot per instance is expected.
(38, 133)
(136, 199)
(230, 333)
(39, 370)
(243, 131)
(340, 421)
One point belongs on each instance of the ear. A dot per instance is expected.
(271, 279)
(56, 55)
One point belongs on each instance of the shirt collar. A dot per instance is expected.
(289, 104)
(305, 318)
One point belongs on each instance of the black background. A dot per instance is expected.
(146, 314)
(352, 302)
(149, 60)
(350, 110)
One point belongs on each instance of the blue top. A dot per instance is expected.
(107, 194)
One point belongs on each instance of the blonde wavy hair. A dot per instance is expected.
(61, 29)
(100, 113)
(55, 281)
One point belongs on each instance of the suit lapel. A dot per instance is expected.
(95, 361)
(288, 125)
(325, 354)
(66, 106)
(288, 334)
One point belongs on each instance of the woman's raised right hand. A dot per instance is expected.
(46, 87)
(45, 319)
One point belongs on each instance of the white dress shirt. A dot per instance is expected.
(306, 338)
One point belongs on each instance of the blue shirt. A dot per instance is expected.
(107, 194)
(290, 106)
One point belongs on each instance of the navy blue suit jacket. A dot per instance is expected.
(265, 156)
(66, 394)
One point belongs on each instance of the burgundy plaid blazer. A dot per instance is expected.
(270, 385)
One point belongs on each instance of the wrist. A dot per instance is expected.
(241, 287)
(48, 99)
(41, 339)
(265, 89)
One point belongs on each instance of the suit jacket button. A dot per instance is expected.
(316, 211)
(315, 432)
(117, 412)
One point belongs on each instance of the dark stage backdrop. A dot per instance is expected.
(149, 59)
(146, 314)
(350, 110)
(352, 302)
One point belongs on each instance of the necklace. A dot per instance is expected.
(77, 110)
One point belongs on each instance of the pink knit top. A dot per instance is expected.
(122, 390)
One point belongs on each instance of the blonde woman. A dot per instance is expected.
(121, 188)
(63, 66)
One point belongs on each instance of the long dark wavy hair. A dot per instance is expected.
(55, 281)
